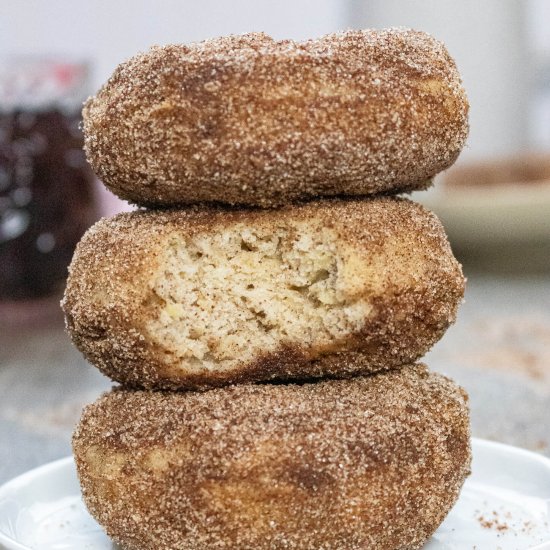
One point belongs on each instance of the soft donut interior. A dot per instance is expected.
(224, 297)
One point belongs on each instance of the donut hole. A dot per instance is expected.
(222, 298)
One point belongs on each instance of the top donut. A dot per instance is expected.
(247, 120)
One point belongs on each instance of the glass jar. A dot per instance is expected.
(47, 197)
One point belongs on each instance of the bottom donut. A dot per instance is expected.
(372, 463)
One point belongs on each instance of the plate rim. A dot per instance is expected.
(30, 475)
(22, 479)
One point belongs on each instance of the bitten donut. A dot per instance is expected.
(368, 463)
(249, 120)
(206, 297)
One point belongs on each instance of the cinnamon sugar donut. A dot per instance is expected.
(368, 463)
(209, 296)
(252, 121)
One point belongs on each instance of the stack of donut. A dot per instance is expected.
(263, 311)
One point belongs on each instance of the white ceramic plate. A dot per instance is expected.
(504, 505)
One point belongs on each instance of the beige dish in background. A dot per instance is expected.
(494, 202)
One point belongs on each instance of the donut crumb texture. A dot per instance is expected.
(189, 299)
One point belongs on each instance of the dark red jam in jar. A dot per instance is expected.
(47, 197)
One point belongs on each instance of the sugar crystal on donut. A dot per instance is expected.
(187, 299)
(373, 462)
(249, 120)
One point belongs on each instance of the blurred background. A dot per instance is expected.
(495, 202)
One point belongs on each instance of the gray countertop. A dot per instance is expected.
(499, 350)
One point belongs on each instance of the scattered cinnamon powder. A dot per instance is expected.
(493, 522)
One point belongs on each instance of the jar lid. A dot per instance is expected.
(38, 83)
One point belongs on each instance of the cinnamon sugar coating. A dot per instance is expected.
(373, 462)
(253, 121)
(208, 296)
